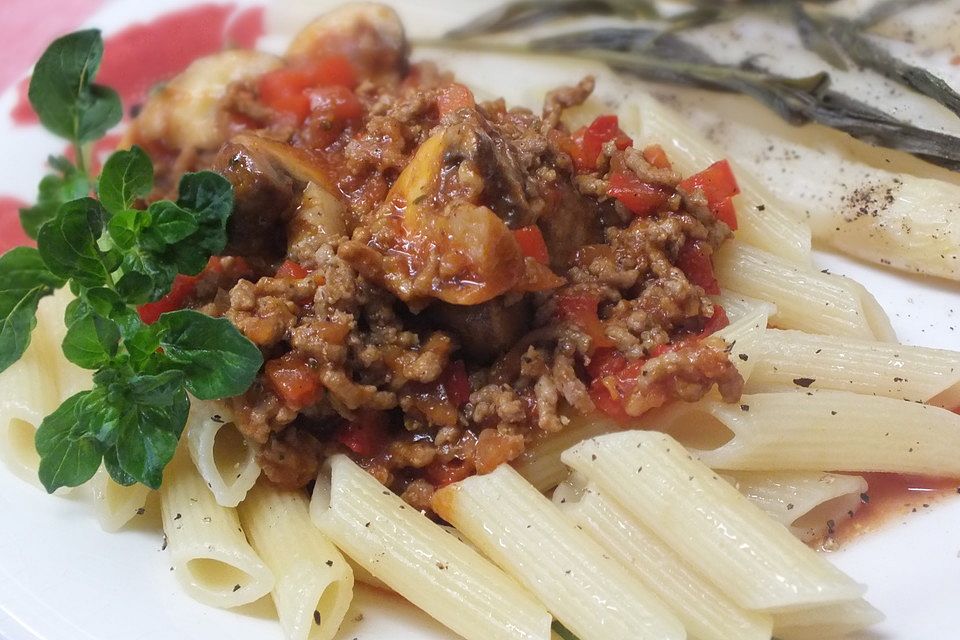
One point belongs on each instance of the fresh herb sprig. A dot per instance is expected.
(657, 53)
(116, 253)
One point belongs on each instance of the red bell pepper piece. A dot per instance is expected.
(655, 155)
(532, 244)
(366, 436)
(295, 380)
(581, 310)
(587, 142)
(290, 270)
(285, 89)
(694, 261)
(642, 198)
(718, 185)
(454, 97)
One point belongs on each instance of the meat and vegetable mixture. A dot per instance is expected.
(436, 282)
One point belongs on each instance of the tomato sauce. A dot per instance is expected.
(889, 497)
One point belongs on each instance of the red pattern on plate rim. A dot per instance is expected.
(135, 59)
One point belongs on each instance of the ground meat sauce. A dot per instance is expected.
(436, 282)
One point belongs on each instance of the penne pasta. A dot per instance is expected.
(862, 366)
(114, 504)
(915, 225)
(314, 583)
(28, 394)
(809, 503)
(818, 430)
(737, 306)
(520, 530)
(540, 463)
(754, 560)
(211, 557)
(71, 379)
(806, 299)
(743, 336)
(706, 613)
(419, 560)
(223, 457)
(830, 621)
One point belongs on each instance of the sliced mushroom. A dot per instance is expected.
(430, 244)
(184, 113)
(282, 197)
(369, 34)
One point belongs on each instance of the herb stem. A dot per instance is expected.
(81, 160)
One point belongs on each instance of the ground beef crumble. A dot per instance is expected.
(420, 335)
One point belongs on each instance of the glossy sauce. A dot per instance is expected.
(891, 498)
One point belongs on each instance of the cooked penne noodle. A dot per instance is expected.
(28, 394)
(818, 430)
(223, 457)
(809, 503)
(540, 463)
(71, 379)
(211, 557)
(861, 366)
(314, 583)
(764, 220)
(706, 613)
(806, 299)
(519, 529)
(743, 336)
(419, 560)
(114, 504)
(916, 230)
(829, 621)
(737, 306)
(708, 523)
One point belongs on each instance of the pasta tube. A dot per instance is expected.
(314, 583)
(703, 609)
(419, 560)
(519, 529)
(223, 457)
(211, 558)
(819, 430)
(754, 560)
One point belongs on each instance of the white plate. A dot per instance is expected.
(62, 578)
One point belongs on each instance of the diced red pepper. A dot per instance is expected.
(532, 244)
(290, 270)
(336, 103)
(655, 155)
(587, 142)
(456, 383)
(454, 97)
(695, 262)
(295, 380)
(285, 89)
(718, 321)
(609, 390)
(366, 436)
(642, 198)
(718, 185)
(183, 287)
(581, 310)
(724, 211)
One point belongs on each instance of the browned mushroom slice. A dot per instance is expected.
(428, 243)
(370, 35)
